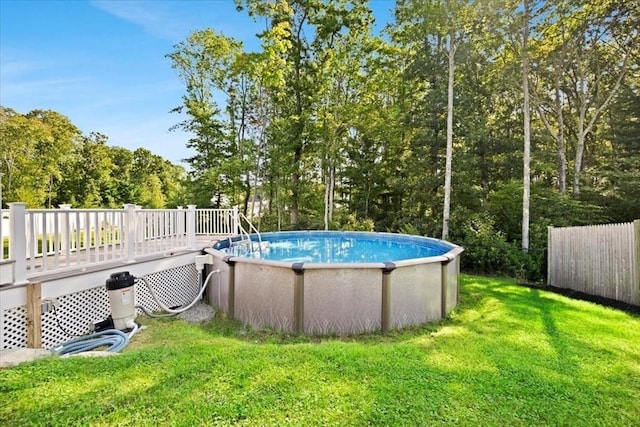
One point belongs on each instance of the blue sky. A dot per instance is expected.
(102, 63)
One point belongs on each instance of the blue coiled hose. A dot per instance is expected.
(114, 339)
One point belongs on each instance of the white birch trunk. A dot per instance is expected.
(527, 130)
(449, 154)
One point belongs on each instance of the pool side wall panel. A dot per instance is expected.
(416, 294)
(264, 296)
(218, 288)
(342, 301)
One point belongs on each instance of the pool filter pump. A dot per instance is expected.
(120, 287)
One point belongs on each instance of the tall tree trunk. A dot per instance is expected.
(558, 135)
(449, 154)
(582, 97)
(247, 195)
(562, 157)
(585, 124)
(332, 190)
(527, 130)
(295, 187)
(327, 189)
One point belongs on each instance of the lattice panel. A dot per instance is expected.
(78, 312)
(175, 287)
(14, 328)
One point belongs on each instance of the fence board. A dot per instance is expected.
(600, 260)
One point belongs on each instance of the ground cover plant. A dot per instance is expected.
(508, 355)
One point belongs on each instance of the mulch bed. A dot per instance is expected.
(630, 308)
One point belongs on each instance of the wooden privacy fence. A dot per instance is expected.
(600, 260)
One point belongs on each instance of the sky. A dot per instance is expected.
(102, 63)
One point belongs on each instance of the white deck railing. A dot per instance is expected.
(217, 222)
(52, 240)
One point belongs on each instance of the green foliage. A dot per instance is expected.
(409, 229)
(548, 207)
(47, 162)
(33, 149)
(350, 222)
(508, 355)
(488, 251)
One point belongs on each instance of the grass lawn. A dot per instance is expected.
(508, 356)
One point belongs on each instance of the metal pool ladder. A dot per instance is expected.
(245, 237)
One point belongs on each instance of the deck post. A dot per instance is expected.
(34, 315)
(18, 241)
(236, 221)
(131, 228)
(180, 230)
(64, 231)
(191, 227)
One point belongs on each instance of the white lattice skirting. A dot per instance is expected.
(78, 312)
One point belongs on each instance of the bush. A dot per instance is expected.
(350, 222)
(487, 251)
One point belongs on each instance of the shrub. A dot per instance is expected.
(487, 251)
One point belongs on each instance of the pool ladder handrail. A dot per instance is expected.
(244, 233)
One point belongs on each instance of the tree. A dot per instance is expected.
(586, 52)
(34, 148)
(18, 136)
(441, 28)
(304, 35)
(211, 66)
(527, 126)
(90, 180)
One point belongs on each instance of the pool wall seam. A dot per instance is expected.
(444, 283)
(231, 298)
(385, 309)
(298, 298)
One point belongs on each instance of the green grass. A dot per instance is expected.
(507, 356)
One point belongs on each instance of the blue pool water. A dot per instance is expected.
(336, 247)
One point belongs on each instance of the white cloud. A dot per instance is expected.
(17, 63)
(175, 20)
(153, 16)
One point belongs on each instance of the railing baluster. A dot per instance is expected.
(33, 250)
(45, 242)
(114, 233)
(76, 234)
(55, 238)
(96, 235)
(66, 241)
(87, 236)
(156, 229)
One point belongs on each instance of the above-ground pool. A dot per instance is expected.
(329, 282)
